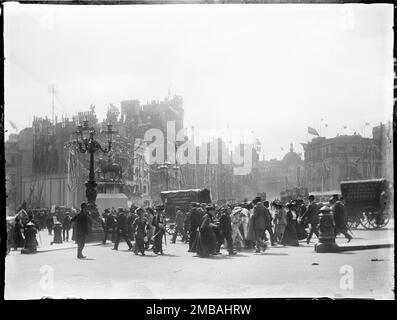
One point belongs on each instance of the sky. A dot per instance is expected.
(272, 69)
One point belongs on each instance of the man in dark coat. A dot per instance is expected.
(81, 220)
(225, 231)
(338, 209)
(122, 230)
(311, 216)
(110, 225)
(130, 220)
(259, 223)
(195, 219)
(158, 223)
(66, 225)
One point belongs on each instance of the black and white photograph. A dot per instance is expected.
(198, 150)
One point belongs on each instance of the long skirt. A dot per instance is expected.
(279, 231)
(206, 243)
(300, 231)
(139, 244)
(290, 237)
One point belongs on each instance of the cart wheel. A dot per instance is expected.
(353, 222)
(383, 220)
(368, 218)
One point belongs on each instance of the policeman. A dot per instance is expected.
(122, 230)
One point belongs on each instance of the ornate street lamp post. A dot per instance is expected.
(86, 143)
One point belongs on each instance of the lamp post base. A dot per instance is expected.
(326, 246)
(96, 232)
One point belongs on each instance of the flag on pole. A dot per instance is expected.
(282, 149)
(367, 124)
(344, 127)
(312, 131)
(326, 125)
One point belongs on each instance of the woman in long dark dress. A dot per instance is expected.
(17, 234)
(206, 238)
(290, 237)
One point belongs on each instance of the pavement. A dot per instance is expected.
(278, 272)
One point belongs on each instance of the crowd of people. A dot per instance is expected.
(206, 228)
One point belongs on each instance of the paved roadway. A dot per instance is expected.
(279, 272)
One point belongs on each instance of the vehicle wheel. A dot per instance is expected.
(353, 222)
(368, 218)
(385, 218)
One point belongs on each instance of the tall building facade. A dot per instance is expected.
(344, 157)
(42, 170)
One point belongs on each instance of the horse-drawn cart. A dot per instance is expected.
(367, 202)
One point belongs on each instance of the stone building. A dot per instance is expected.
(277, 176)
(344, 157)
(42, 171)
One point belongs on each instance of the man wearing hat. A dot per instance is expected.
(259, 223)
(81, 220)
(338, 209)
(159, 229)
(195, 218)
(311, 216)
(110, 225)
(66, 225)
(122, 230)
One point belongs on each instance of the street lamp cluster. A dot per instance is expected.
(86, 142)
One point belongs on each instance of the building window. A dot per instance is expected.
(354, 149)
(144, 189)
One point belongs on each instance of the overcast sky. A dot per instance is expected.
(273, 69)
